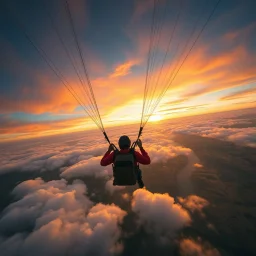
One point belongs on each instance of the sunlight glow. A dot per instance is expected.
(155, 118)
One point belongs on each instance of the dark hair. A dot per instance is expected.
(124, 142)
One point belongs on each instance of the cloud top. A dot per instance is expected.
(158, 212)
(63, 221)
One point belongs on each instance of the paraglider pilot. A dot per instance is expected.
(126, 162)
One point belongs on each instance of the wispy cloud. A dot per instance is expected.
(185, 108)
(217, 63)
(215, 73)
(123, 69)
(12, 126)
(239, 94)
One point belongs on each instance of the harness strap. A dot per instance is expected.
(130, 151)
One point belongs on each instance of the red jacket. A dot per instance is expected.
(142, 158)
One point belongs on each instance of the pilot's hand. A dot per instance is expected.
(111, 147)
(139, 143)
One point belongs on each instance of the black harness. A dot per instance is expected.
(125, 169)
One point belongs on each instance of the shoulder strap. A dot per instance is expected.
(132, 151)
(116, 152)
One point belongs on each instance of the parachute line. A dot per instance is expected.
(83, 62)
(72, 60)
(158, 82)
(85, 98)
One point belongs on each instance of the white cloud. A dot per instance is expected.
(79, 156)
(159, 153)
(48, 154)
(160, 148)
(219, 129)
(90, 167)
(63, 219)
(159, 213)
(245, 136)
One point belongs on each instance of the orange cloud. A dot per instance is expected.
(204, 74)
(231, 66)
(51, 97)
(198, 165)
(216, 72)
(191, 247)
(184, 108)
(123, 69)
(30, 129)
(113, 93)
(39, 93)
(205, 71)
(240, 94)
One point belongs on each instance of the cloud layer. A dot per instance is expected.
(51, 154)
(61, 214)
(235, 126)
(62, 220)
(78, 155)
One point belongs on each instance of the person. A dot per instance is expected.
(124, 145)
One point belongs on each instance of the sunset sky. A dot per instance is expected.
(218, 75)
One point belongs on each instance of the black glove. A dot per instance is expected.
(111, 147)
(139, 143)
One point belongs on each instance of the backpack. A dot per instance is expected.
(124, 169)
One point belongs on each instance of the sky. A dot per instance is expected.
(114, 37)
